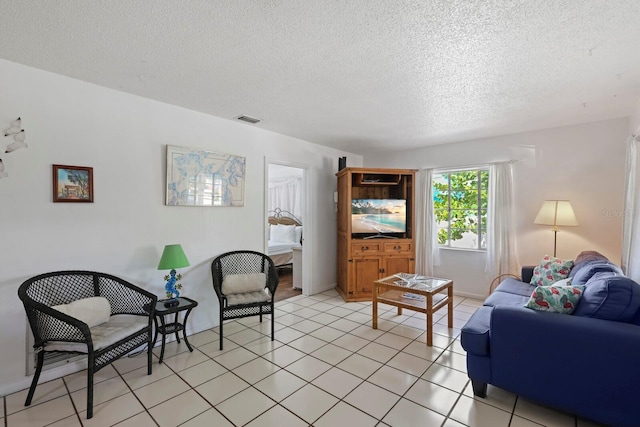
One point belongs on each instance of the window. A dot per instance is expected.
(460, 208)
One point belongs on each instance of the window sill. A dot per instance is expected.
(446, 248)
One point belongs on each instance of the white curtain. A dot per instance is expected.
(427, 249)
(629, 226)
(286, 194)
(501, 244)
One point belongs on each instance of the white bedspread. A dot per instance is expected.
(281, 253)
(276, 248)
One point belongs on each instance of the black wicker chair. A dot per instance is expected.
(237, 305)
(132, 312)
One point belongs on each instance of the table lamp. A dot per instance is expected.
(555, 213)
(172, 257)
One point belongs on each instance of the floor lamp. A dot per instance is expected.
(555, 213)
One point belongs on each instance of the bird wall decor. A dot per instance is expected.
(15, 130)
(18, 135)
(18, 142)
(14, 127)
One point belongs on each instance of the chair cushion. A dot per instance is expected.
(118, 327)
(248, 297)
(92, 311)
(610, 297)
(243, 283)
(550, 270)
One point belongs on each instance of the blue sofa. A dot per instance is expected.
(586, 363)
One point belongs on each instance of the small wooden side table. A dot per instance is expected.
(174, 327)
(423, 295)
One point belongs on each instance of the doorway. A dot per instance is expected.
(288, 223)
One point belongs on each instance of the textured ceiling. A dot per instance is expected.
(359, 75)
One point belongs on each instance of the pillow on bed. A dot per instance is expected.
(298, 234)
(283, 233)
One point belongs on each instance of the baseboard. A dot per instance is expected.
(71, 368)
(470, 295)
(324, 288)
(46, 375)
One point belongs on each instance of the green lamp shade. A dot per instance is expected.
(173, 257)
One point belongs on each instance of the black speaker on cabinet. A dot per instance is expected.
(342, 162)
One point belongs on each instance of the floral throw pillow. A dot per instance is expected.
(551, 270)
(557, 299)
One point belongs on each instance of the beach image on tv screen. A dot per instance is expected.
(378, 216)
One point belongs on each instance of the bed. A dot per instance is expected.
(285, 233)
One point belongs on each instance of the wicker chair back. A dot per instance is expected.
(244, 262)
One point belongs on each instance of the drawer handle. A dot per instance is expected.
(397, 247)
(365, 248)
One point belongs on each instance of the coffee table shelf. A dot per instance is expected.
(424, 296)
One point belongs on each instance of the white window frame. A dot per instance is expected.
(481, 231)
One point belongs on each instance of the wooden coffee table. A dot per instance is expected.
(422, 294)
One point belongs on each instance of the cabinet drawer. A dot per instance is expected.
(364, 248)
(398, 247)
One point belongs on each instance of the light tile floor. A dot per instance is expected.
(327, 367)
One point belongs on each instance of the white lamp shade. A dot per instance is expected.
(556, 212)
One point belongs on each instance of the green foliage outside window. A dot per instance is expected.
(460, 205)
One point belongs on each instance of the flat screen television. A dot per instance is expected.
(378, 217)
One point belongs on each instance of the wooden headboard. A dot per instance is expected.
(278, 216)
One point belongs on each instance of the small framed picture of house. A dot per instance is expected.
(72, 184)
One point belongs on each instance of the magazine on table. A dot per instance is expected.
(414, 280)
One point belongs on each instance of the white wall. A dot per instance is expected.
(278, 172)
(634, 120)
(123, 137)
(584, 164)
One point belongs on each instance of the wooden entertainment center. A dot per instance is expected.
(362, 258)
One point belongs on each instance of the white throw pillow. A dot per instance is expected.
(283, 233)
(563, 282)
(93, 311)
(243, 283)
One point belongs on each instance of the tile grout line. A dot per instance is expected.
(287, 344)
(333, 366)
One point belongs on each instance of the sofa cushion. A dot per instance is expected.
(589, 268)
(506, 298)
(557, 299)
(475, 333)
(93, 311)
(515, 286)
(589, 256)
(636, 318)
(611, 297)
(550, 270)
